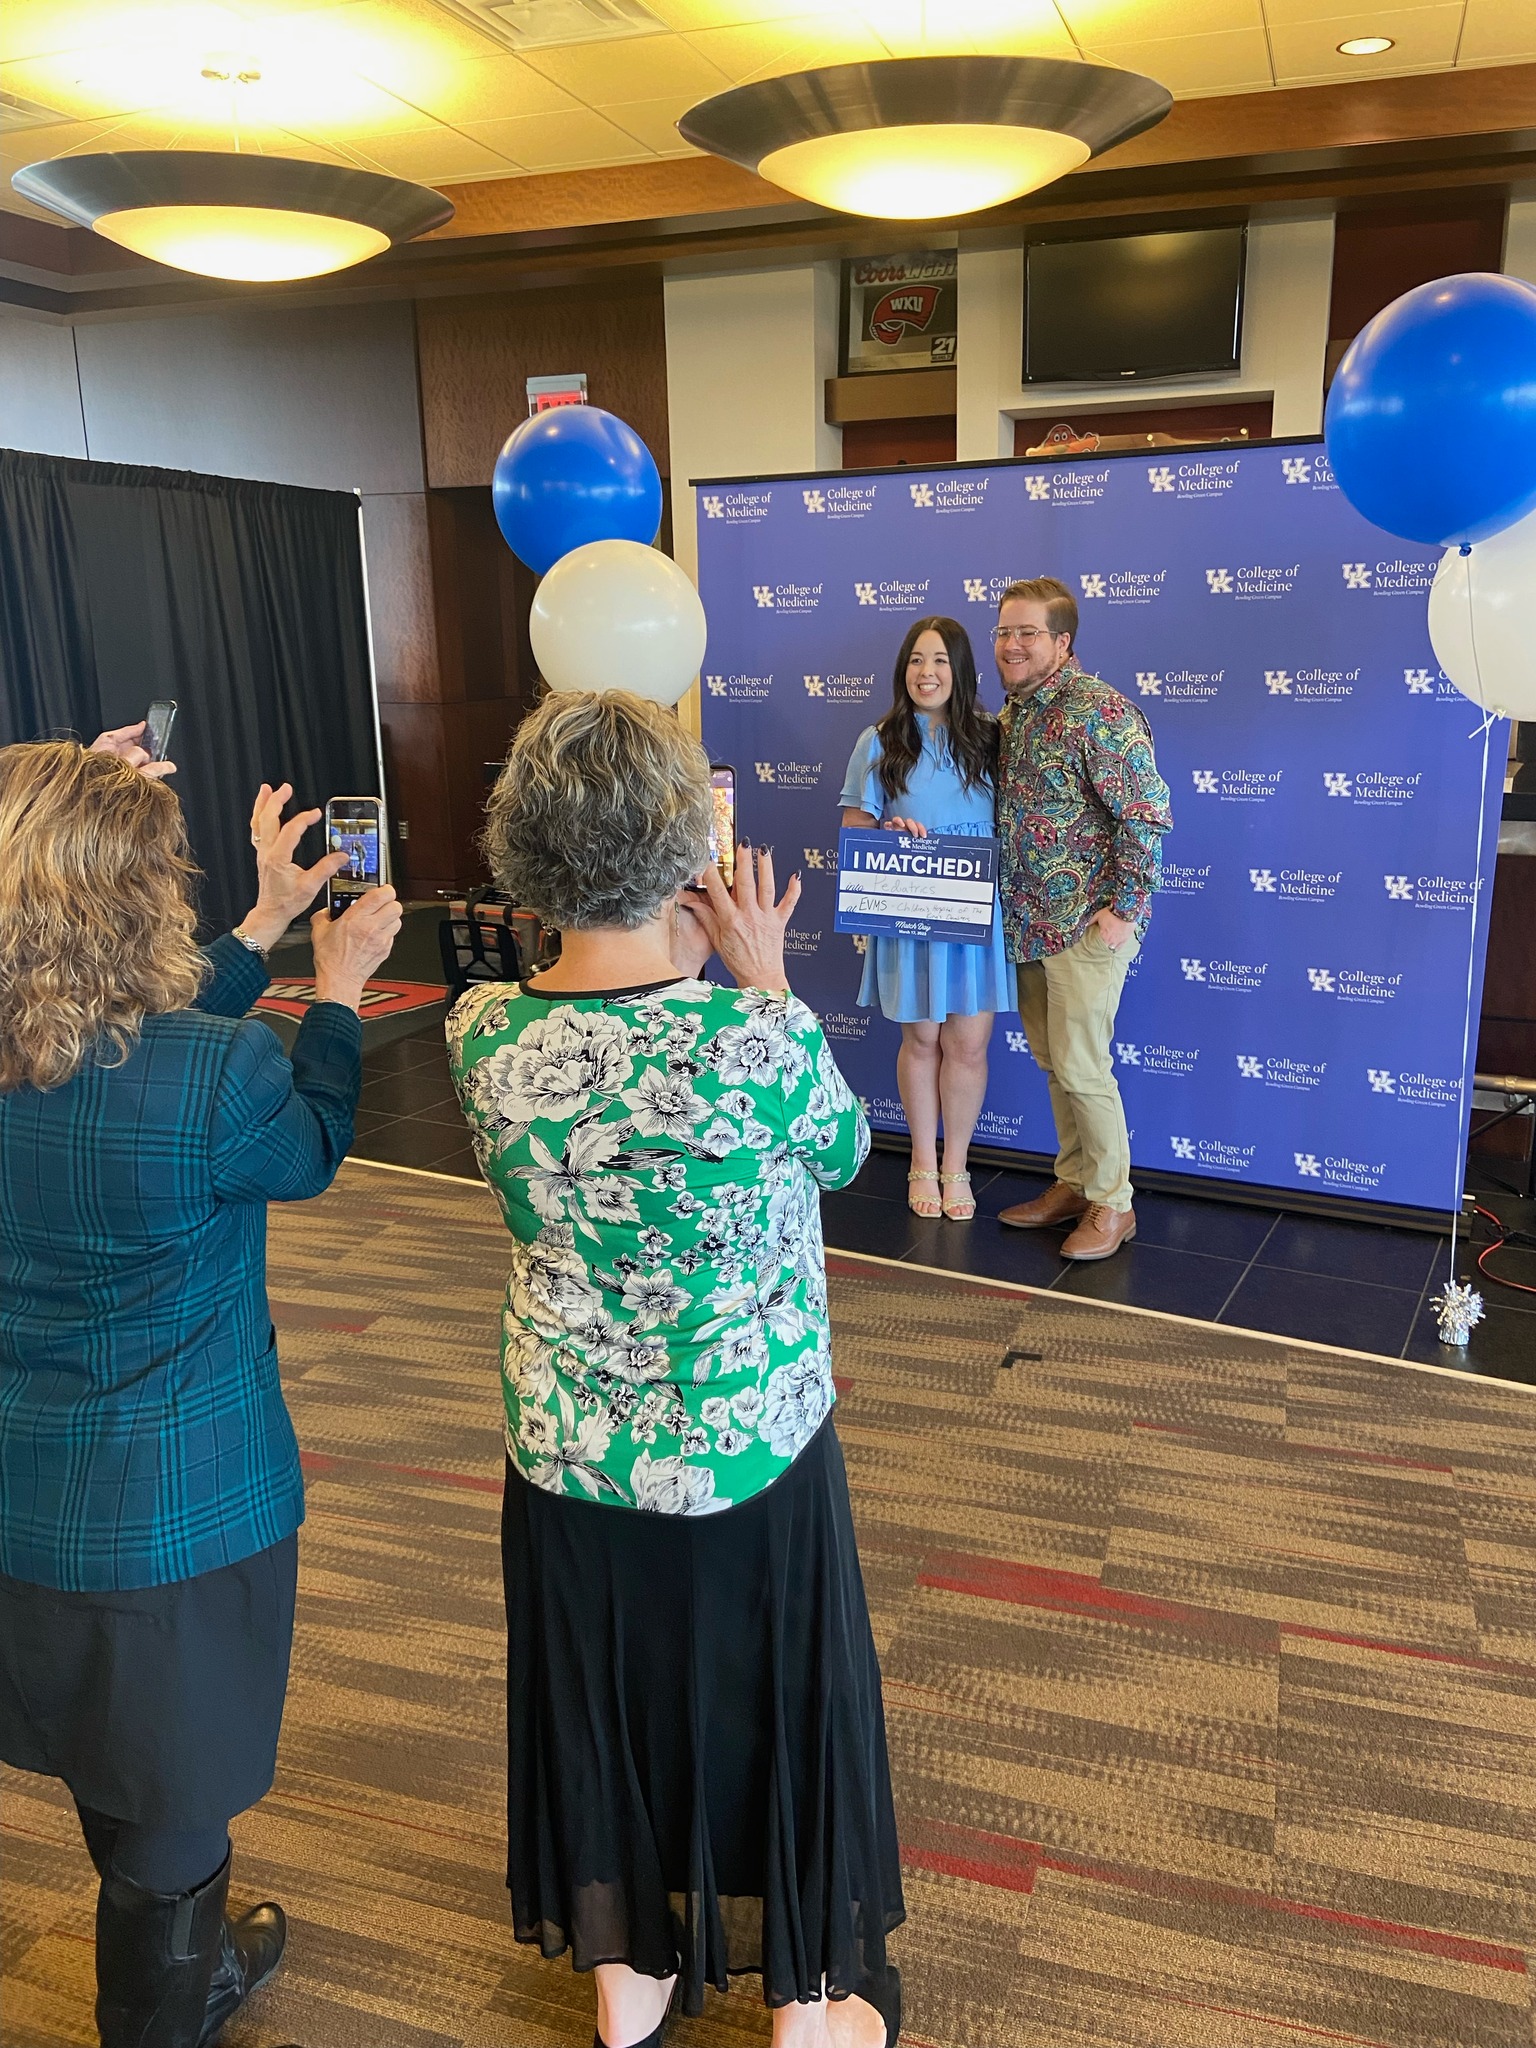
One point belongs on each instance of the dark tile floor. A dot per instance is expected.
(1360, 1285)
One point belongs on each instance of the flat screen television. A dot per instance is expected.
(1134, 306)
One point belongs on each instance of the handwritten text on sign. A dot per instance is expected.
(905, 888)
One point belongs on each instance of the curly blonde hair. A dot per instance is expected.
(601, 813)
(96, 916)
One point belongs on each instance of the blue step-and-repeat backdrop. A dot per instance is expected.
(1296, 1017)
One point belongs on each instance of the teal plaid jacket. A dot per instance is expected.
(143, 1434)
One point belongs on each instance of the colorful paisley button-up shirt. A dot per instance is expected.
(1081, 812)
(657, 1157)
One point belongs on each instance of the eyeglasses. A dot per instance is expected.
(1025, 635)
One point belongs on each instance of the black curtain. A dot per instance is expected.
(243, 601)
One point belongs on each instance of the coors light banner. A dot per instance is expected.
(1296, 1017)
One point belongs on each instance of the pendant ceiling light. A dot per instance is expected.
(925, 138)
(260, 218)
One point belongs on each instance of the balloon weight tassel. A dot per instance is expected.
(1457, 1307)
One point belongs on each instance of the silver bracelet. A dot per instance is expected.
(250, 944)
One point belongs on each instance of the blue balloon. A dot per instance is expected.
(571, 475)
(1431, 421)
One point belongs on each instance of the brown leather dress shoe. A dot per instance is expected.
(1059, 1204)
(1101, 1233)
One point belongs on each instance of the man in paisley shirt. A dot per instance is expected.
(1081, 811)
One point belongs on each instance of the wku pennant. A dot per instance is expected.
(907, 310)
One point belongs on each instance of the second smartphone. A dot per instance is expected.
(354, 825)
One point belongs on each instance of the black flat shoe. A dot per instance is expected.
(659, 2033)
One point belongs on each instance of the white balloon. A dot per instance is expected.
(615, 615)
(1482, 620)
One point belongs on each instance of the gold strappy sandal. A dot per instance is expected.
(963, 1210)
(933, 1209)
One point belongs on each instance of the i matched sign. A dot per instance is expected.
(900, 887)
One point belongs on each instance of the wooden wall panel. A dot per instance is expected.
(890, 444)
(1380, 252)
(476, 353)
(400, 597)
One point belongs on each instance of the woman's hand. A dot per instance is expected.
(907, 825)
(693, 934)
(283, 888)
(123, 740)
(749, 924)
(351, 947)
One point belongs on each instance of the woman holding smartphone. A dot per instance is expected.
(930, 766)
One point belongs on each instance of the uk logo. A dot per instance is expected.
(1418, 682)
(1206, 782)
(1278, 682)
(1337, 784)
(864, 592)
(975, 590)
(1399, 888)
(815, 856)
(1219, 582)
(1321, 981)
(1093, 585)
(1149, 682)
(1038, 488)
(922, 496)
(1249, 1067)
(1263, 880)
(1296, 469)
(1356, 575)
(1382, 1080)
(715, 685)
(1308, 1165)
(763, 592)
(764, 770)
(1160, 477)
(1017, 1042)
(815, 501)
(1194, 970)
(714, 507)
(1128, 1055)
(1183, 1148)
(814, 686)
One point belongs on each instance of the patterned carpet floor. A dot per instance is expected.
(1209, 1670)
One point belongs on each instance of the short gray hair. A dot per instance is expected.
(601, 813)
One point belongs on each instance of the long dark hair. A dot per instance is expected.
(972, 730)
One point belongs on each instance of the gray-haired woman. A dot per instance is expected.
(698, 1780)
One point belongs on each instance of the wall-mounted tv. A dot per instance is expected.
(1134, 306)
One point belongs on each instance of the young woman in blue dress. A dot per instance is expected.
(930, 766)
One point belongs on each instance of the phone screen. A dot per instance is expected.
(722, 829)
(354, 826)
(158, 721)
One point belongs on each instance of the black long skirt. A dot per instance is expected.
(698, 1778)
(160, 1706)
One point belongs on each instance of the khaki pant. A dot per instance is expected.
(1067, 1004)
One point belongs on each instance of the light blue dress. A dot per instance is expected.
(919, 981)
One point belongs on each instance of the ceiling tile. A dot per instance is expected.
(434, 156)
(491, 89)
(639, 68)
(768, 49)
(1498, 32)
(1424, 38)
(653, 123)
(1230, 60)
(1134, 21)
(560, 142)
(722, 14)
(908, 28)
(30, 28)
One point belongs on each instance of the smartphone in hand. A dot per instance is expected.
(722, 829)
(354, 825)
(159, 722)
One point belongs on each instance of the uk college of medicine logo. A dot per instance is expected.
(1399, 888)
(1160, 477)
(815, 501)
(1296, 469)
(1357, 575)
(714, 507)
(814, 686)
(1219, 582)
(922, 496)
(1093, 584)
(763, 594)
(1037, 489)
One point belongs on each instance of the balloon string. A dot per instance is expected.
(1463, 1116)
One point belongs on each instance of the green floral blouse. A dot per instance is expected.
(657, 1155)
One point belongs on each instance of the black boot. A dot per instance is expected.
(252, 1949)
(155, 1958)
